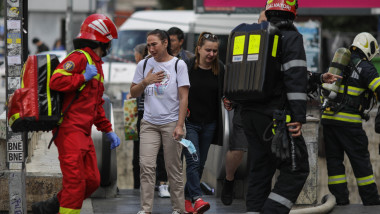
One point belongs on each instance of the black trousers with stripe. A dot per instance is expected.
(263, 164)
(354, 142)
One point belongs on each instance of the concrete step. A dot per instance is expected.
(43, 174)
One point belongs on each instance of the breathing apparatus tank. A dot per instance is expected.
(340, 60)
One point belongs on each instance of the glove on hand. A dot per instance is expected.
(90, 72)
(114, 139)
(280, 143)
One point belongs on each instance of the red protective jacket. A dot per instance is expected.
(87, 109)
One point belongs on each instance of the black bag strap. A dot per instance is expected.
(146, 61)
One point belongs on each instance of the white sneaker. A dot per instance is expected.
(163, 191)
(141, 212)
(176, 212)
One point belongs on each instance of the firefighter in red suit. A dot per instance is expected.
(81, 75)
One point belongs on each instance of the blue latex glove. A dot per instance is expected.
(91, 71)
(114, 139)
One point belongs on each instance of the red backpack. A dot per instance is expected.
(34, 106)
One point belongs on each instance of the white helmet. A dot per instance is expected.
(366, 43)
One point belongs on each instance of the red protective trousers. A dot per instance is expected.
(79, 169)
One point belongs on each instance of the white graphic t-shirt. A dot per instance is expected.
(161, 104)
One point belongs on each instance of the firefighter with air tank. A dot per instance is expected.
(343, 110)
(281, 96)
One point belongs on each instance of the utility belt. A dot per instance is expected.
(335, 108)
(350, 103)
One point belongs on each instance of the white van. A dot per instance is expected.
(134, 31)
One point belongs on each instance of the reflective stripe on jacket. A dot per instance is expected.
(87, 109)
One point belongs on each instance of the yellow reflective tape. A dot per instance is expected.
(238, 45)
(254, 44)
(63, 72)
(48, 84)
(22, 75)
(354, 91)
(89, 59)
(374, 84)
(341, 116)
(275, 44)
(365, 180)
(288, 118)
(337, 179)
(63, 210)
(14, 118)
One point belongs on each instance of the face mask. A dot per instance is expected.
(190, 147)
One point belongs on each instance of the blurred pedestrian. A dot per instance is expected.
(140, 52)
(164, 81)
(177, 38)
(238, 144)
(77, 156)
(40, 45)
(204, 123)
(58, 45)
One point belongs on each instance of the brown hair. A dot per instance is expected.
(201, 41)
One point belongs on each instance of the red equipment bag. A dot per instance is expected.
(34, 106)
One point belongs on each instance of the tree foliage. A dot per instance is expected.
(176, 4)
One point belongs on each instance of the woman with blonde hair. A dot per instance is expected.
(204, 121)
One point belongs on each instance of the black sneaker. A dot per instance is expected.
(227, 192)
(50, 206)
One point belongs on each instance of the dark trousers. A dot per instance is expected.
(161, 174)
(354, 142)
(263, 165)
(136, 154)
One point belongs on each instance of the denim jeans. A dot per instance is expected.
(201, 135)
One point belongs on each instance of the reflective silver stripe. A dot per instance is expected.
(281, 200)
(293, 63)
(374, 84)
(352, 118)
(252, 212)
(365, 180)
(337, 179)
(351, 90)
(296, 96)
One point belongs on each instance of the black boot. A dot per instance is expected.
(374, 202)
(227, 192)
(50, 206)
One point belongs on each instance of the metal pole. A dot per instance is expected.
(15, 30)
(69, 34)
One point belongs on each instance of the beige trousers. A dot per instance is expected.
(151, 137)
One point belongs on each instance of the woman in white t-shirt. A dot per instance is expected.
(165, 83)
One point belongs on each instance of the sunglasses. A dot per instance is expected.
(210, 36)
